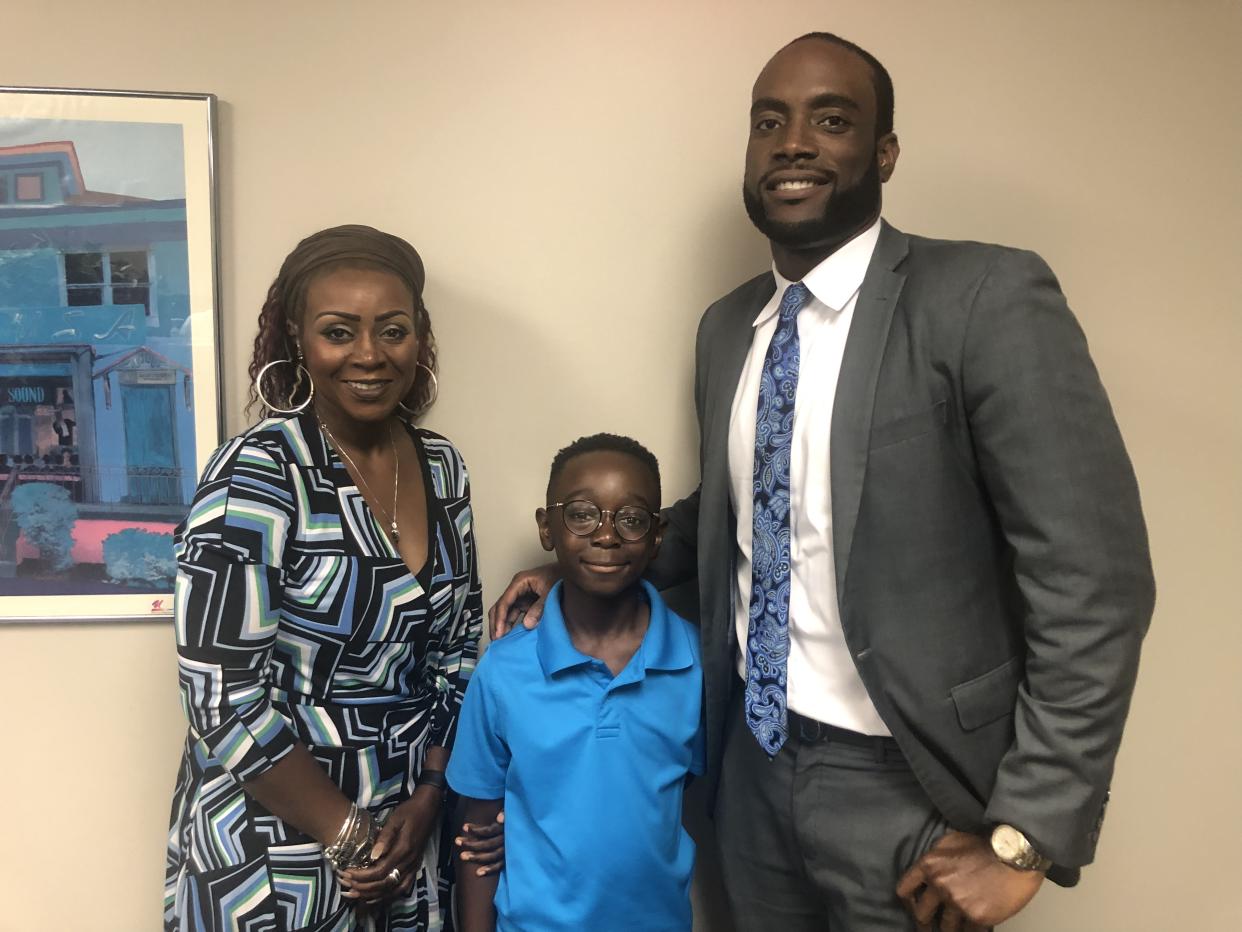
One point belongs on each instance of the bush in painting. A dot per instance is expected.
(140, 558)
(46, 515)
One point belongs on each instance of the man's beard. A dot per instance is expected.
(847, 212)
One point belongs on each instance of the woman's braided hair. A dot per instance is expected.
(349, 246)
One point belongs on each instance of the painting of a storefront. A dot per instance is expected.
(95, 373)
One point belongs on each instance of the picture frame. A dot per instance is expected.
(110, 396)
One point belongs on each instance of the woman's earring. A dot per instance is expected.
(435, 386)
(435, 393)
(297, 382)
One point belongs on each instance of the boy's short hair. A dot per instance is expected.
(600, 443)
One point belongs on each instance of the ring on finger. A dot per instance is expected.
(395, 875)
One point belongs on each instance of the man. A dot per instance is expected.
(921, 560)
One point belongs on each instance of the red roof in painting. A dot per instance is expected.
(64, 153)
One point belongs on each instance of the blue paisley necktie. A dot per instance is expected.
(767, 638)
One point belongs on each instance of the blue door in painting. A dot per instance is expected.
(150, 445)
(16, 431)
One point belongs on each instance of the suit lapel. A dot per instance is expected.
(856, 384)
(728, 353)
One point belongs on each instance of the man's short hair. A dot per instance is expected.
(600, 443)
(880, 79)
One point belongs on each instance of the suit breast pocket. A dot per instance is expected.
(908, 426)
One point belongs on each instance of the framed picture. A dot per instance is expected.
(109, 379)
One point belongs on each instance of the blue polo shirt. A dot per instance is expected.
(591, 768)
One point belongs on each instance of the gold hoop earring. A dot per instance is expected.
(293, 409)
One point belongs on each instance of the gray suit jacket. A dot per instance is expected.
(991, 557)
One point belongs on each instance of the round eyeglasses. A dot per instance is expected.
(583, 518)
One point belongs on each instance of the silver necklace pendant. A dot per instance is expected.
(396, 534)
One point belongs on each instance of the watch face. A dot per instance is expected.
(1008, 843)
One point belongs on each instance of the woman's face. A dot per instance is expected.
(359, 344)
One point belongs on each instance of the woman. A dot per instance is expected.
(327, 613)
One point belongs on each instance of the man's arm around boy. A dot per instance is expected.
(476, 886)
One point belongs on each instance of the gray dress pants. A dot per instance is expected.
(817, 838)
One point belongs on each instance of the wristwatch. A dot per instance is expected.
(1012, 847)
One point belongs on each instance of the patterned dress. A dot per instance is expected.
(297, 620)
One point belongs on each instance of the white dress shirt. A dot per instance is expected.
(822, 681)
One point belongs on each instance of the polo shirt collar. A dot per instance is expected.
(556, 651)
(665, 646)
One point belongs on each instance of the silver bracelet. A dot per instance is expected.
(343, 848)
(350, 850)
(362, 854)
(348, 826)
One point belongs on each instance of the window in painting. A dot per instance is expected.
(28, 187)
(94, 278)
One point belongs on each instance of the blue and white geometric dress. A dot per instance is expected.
(297, 620)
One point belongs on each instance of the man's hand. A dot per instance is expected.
(476, 889)
(483, 846)
(964, 881)
(522, 599)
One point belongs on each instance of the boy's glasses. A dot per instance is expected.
(583, 518)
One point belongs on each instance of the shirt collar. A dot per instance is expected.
(665, 646)
(835, 281)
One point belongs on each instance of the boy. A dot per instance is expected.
(584, 729)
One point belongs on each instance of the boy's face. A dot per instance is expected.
(602, 563)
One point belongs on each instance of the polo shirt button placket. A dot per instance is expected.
(607, 723)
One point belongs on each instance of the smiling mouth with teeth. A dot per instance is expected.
(794, 185)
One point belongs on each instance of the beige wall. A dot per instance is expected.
(570, 173)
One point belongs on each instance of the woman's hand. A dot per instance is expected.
(399, 848)
(483, 846)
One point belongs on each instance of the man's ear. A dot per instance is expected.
(887, 149)
(545, 532)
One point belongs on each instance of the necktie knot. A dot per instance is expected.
(793, 300)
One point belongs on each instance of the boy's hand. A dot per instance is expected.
(483, 846)
(522, 599)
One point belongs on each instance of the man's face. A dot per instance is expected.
(813, 164)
